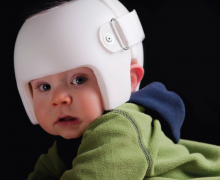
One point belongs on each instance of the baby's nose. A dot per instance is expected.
(61, 98)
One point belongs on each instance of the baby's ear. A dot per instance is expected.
(137, 73)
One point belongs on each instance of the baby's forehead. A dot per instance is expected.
(80, 69)
(83, 70)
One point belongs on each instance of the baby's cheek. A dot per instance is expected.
(38, 109)
(95, 108)
(40, 113)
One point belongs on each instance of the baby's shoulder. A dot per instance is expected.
(122, 116)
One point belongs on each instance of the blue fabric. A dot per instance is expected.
(166, 106)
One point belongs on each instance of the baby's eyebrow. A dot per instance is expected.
(81, 71)
(38, 79)
(34, 81)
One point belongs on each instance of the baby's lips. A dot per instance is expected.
(66, 117)
(69, 118)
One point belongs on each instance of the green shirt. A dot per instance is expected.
(127, 144)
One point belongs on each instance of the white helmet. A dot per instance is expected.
(99, 34)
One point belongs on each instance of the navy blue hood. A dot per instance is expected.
(166, 106)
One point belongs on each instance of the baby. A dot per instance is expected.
(67, 103)
(78, 68)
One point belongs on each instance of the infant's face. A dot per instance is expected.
(72, 95)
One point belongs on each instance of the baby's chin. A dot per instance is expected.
(70, 135)
(66, 133)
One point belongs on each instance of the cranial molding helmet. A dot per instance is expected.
(99, 34)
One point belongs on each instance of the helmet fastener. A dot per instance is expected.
(109, 39)
(119, 35)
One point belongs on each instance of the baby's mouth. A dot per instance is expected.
(68, 118)
(67, 121)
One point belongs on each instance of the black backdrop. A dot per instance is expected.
(180, 50)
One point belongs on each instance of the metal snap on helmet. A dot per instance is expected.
(99, 34)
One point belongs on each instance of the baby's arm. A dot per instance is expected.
(49, 166)
(110, 149)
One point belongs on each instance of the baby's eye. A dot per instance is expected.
(79, 80)
(44, 87)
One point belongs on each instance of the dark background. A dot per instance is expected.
(180, 48)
